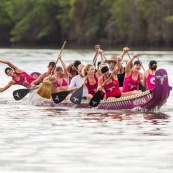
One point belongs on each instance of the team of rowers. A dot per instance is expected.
(120, 81)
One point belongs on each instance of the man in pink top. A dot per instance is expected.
(149, 75)
(18, 76)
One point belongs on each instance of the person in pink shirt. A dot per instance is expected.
(91, 81)
(133, 76)
(111, 87)
(19, 76)
(149, 75)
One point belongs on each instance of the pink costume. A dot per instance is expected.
(24, 79)
(112, 89)
(64, 83)
(130, 84)
(92, 88)
(150, 81)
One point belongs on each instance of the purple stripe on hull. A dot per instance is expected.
(148, 100)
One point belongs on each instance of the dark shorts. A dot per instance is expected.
(118, 96)
(84, 98)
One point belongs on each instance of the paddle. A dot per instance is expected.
(60, 96)
(95, 100)
(21, 93)
(76, 97)
(45, 90)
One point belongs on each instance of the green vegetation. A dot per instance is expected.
(86, 22)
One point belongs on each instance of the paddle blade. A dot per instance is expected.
(76, 97)
(95, 100)
(60, 96)
(20, 93)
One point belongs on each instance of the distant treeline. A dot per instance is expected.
(86, 22)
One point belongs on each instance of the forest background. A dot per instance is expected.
(84, 23)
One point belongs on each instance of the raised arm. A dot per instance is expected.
(101, 56)
(125, 50)
(11, 65)
(117, 66)
(127, 68)
(7, 86)
(64, 66)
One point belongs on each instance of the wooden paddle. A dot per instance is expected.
(76, 97)
(45, 90)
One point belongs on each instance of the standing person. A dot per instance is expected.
(77, 82)
(133, 76)
(51, 68)
(18, 76)
(149, 75)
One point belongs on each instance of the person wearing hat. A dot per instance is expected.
(112, 62)
(109, 82)
(149, 75)
(133, 76)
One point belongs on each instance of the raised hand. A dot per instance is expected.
(135, 55)
(126, 49)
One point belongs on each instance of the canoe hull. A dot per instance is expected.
(148, 100)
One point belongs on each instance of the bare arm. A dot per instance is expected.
(11, 65)
(117, 66)
(39, 79)
(127, 68)
(64, 66)
(125, 50)
(7, 86)
(100, 82)
(144, 79)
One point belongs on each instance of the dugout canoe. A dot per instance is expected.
(148, 100)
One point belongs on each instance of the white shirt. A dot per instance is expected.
(77, 82)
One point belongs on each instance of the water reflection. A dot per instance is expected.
(151, 116)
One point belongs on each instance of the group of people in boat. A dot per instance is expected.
(109, 76)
